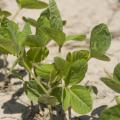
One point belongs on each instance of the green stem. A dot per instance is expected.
(59, 49)
(50, 112)
(11, 69)
(35, 78)
(13, 66)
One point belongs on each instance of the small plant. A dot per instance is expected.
(58, 83)
(113, 82)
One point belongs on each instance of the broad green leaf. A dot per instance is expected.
(11, 40)
(36, 40)
(61, 66)
(80, 99)
(46, 13)
(43, 22)
(57, 35)
(55, 17)
(66, 99)
(116, 74)
(77, 72)
(33, 91)
(17, 74)
(25, 62)
(32, 4)
(2, 50)
(7, 46)
(44, 71)
(46, 30)
(114, 84)
(57, 92)
(37, 54)
(4, 13)
(12, 28)
(30, 21)
(79, 37)
(112, 113)
(49, 100)
(100, 56)
(21, 37)
(78, 55)
(100, 40)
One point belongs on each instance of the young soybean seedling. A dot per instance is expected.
(58, 83)
(7, 34)
(113, 113)
(62, 78)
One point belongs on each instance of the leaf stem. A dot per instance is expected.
(35, 78)
(10, 71)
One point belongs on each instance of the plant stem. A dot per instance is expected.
(69, 113)
(49, 92)
(59, 49)
(35, 78)
(50, 112)
(7, 81)
(5, 69)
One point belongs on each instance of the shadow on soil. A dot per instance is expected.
(94, 115)
(13, 107)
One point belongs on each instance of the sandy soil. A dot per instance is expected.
(81, 16)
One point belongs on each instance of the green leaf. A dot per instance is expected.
(100, 56)
(49, 100)
(57, 35)
(44, 71)
(43, 22)
(112, 113)
(10, 37)
(7, 46)
(4, 13)
(79, 37)
(116, 74)
(81, 101)
(66, 99)
(30, 21)
(100, 41)
(78, 55)
(21, 37)
(25, 62)
(4, 51)
(17, 74)
(55, 17)
(114, 84)
(36, 41)
(77, 72)
(46, 30)
(46, 13)
(57, 92)
(33, 91)
(32, 4)
(37, 54)
(61, 66)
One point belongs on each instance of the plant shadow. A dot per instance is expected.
(13, 107)
(94, 115)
